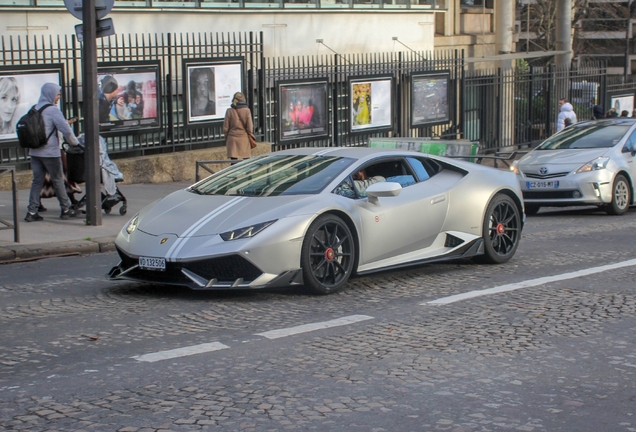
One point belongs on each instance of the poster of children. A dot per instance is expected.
(127, 99)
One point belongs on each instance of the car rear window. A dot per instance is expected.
(597, 135)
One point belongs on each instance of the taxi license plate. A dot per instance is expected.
(542, 184)
(148, 263)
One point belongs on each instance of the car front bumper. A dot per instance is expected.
(591, 188)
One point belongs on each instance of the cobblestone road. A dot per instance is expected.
(554, 357)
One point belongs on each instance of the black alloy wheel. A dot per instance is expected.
(328, 255)
(501, 230)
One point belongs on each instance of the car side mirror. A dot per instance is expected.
(382, 189)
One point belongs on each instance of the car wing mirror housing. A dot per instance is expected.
(382, 189)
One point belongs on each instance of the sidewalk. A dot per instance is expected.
(54, 236)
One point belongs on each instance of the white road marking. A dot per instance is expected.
(181, 352)
(275, 334)
(529, 283)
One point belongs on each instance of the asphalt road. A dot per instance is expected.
(553, 351)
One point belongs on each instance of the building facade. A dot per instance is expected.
(289, 27)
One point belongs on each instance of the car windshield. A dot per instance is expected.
(272, 175)
(597, 135)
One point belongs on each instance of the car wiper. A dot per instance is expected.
(196, 190)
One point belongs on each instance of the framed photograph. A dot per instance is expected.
(208, 88)
(302, 109)
(371, 103)
(429, 98)
(20, 89)
(129, 97)
(623, 103)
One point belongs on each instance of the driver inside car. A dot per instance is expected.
(362, 182)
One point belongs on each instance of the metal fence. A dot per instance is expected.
(169, 49)
(518, 108)
(338, 69)
(502, 109)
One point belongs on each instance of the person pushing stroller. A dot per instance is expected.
(47, 159)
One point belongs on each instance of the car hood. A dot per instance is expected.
(570, 159)
(184, 213)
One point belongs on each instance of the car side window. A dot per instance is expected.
(630, 145)
(418, 167)
(346, 189)
(392, 170)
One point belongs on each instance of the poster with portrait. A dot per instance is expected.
(371, 103)
(623, 103)
(20, 89)
(129, 97)
(208, 88)
(302, 109)
(429, 98)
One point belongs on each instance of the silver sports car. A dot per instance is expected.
(589, 163)
(315, 216)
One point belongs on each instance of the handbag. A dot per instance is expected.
(250, 136)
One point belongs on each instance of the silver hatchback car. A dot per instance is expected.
(588, 163)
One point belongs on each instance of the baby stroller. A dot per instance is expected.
(110, 176)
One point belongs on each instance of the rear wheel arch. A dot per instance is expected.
(501, 229)
(514, 198)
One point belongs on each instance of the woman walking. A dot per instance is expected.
(238, 128)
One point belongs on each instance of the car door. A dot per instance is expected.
(628, 154)
(402, 226)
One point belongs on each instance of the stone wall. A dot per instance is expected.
(163, 168)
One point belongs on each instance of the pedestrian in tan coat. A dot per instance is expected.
(236, 127)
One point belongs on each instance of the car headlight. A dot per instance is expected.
(515, 167)
(132, 225)
(246, 232)
(595, 165)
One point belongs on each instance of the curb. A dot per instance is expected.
(43, 250)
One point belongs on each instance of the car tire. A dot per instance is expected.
(621, 197)
(328, 255)
(532, 210)
(501, 230)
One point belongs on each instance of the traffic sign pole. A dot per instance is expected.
(91, 119)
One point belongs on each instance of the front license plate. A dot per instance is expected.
(542, 184)
(148, 263)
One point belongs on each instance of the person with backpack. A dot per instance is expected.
(47, 159)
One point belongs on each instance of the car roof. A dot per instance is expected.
(612, 121)
(350, 152)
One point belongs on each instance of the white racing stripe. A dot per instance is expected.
(181, 352)
(176, 247)
(529, 283)
(275, 334)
